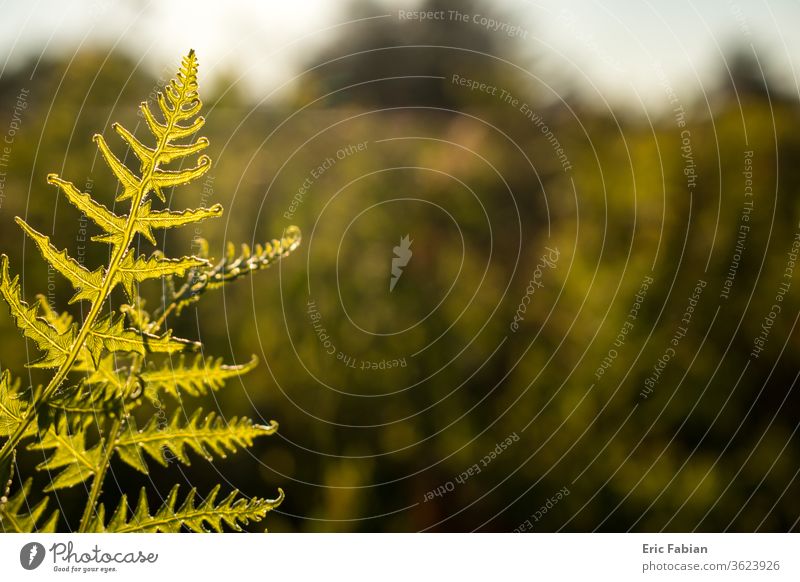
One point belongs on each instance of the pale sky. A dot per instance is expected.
(613, 45)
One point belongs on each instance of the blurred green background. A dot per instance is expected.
(482, 191)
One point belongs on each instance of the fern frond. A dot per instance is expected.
(108, 379)
(56, 346)
(72, 403)
(144, 153)
(169, 178)
(133, 271)
(85, 402)
(63, 323)
(15, 519)
(131, 185)
(70, 454)
(136, 313)
(87, 283)
(77, 400)
(232, 511)
(234, 266)
(82, 417)
(173, 219)
(12, 408)
(173, 152)
(111, 335)
(196, 378)
(113, 225)
(208, 437)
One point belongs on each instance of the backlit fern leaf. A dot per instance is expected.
(71, 460)
(103, 363)
(140, 269)
(207, 436)
(172, 219)
(71, 403)
(56, 346)
(194, 379)
(87, 283)
(84, 402)
(111, 335)
(233, 266)
(16, 517)
(97, 373)
(113, 225)
(209, 515)
(12, 407)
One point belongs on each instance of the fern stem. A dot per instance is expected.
(99, 478)
(120, 251)
(156, 325)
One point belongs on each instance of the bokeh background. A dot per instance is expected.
(618, 155)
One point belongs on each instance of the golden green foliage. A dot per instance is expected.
(232, 511)
(105, 363)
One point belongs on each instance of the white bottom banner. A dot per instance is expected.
(379, 557)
